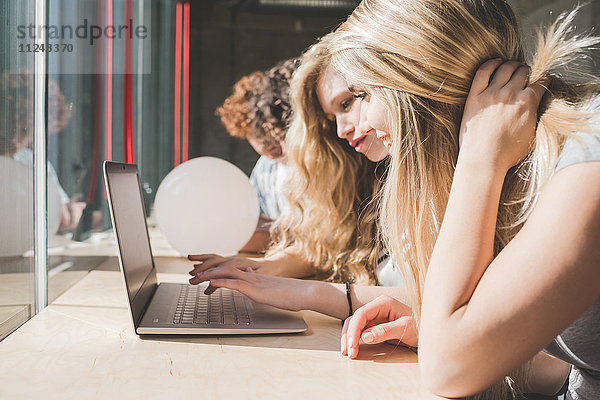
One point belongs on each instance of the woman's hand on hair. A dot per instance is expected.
(383, 319)
(500, 116)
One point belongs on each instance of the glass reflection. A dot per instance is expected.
(16, 178)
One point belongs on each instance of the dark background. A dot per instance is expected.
(230, 39)
(227, 43)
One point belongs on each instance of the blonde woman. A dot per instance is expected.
(330, 231)
(493, 201)
(335, 188)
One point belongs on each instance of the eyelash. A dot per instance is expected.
(361, 95)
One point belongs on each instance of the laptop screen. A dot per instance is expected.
(129, 222)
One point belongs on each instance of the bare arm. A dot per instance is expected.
(295, 294)
(524, 298)
(330, 298)
(261, 238)
(476, 308)
(547, 375)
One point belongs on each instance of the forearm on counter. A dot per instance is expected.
(288, 263)
(331, 299)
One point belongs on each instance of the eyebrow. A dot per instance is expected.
(356, 90)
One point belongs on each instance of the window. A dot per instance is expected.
(107, 91)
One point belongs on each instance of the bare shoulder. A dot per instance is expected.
(565, 223)
(575, 189)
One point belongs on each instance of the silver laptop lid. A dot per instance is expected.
(131, 232)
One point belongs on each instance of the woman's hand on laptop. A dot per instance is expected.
(208, 261)
(283, 263)
(286, 293)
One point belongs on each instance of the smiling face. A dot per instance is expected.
(340, 106)
(374, 118)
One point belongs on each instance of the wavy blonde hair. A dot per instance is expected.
(332, 218)
(419, 57)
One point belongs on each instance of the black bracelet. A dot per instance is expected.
(349, 299)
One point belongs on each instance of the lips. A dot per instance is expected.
(354, 143)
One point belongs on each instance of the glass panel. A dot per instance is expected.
(109, 98)
(16, 170)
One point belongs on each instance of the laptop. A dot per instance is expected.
(174, 308)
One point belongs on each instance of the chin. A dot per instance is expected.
(375, 157)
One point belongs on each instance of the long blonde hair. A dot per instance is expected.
(419, 58)
(332, 217)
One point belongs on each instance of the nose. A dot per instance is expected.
(364, 126)
(343, 127)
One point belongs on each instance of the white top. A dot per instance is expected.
(388, 274)
(267, 178)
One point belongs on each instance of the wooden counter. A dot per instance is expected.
(82, 346)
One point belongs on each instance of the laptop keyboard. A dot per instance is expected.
(224, 306)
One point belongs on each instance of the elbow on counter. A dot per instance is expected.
(449, 377)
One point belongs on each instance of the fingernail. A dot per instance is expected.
(199, 274)
(367, 337)
(350, 352)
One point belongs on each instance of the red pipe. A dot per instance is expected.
(177, 84)
(186, 80)
(128, 151)
(108, 87)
